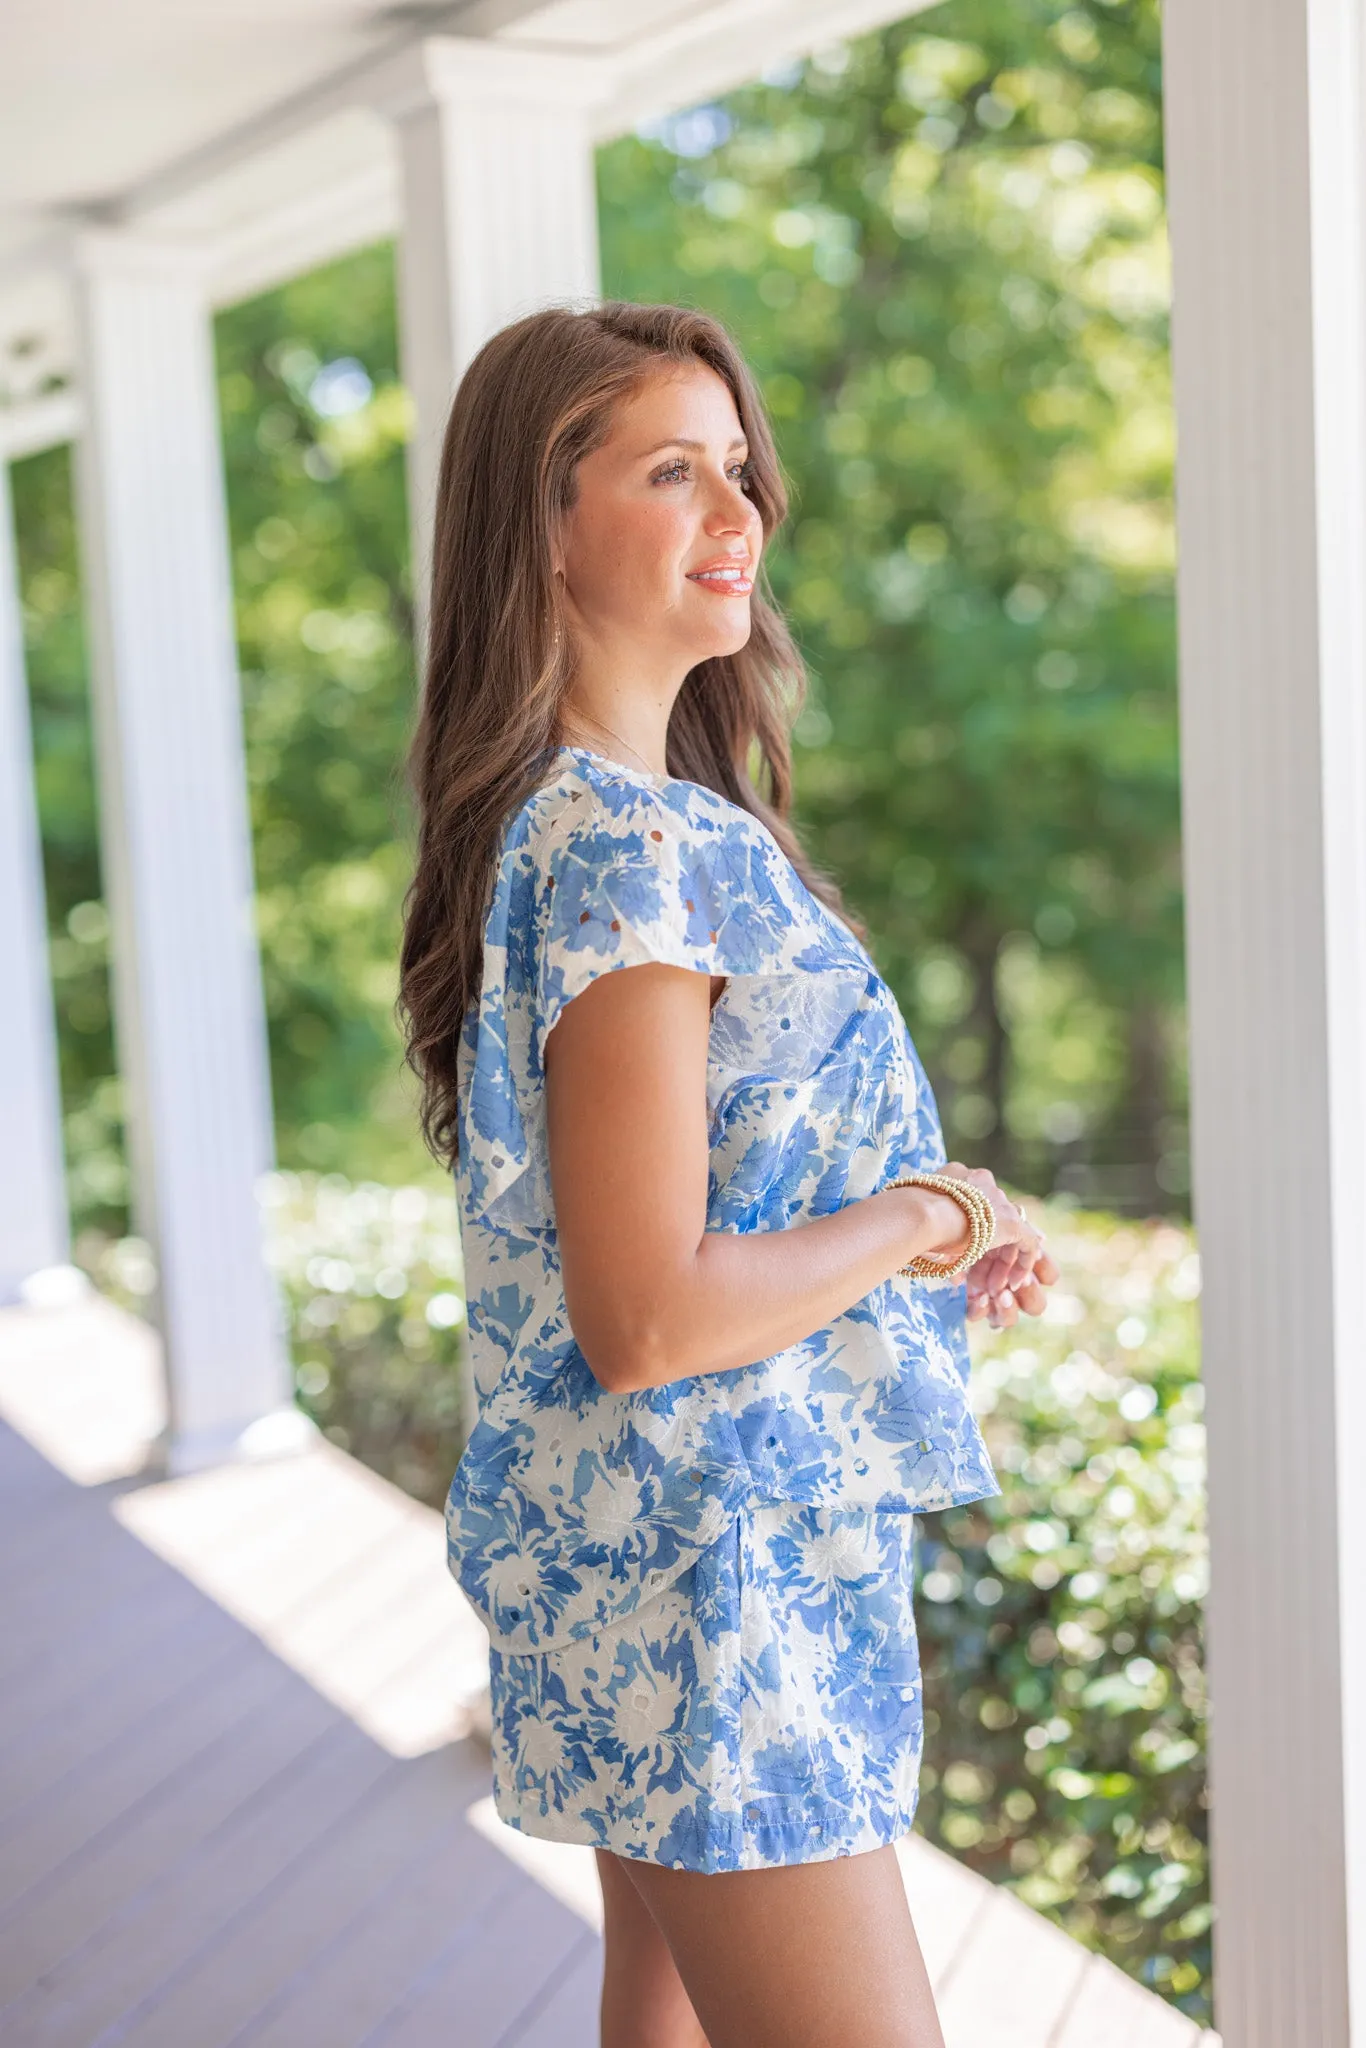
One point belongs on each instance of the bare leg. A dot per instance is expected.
(814, 1955)
(644, 2004)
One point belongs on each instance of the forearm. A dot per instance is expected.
(741, 1297)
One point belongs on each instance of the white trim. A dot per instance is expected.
(459, 72)
(33, 1220)
(47, 422)
(1266, 165)
(139, 258)
(316, 228)
(693, 61)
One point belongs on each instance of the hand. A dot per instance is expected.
(1013, 1274)
(1000, 1299)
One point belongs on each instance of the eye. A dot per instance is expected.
(672, 472)
(744, 472)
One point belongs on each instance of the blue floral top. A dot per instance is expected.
(570, 1503)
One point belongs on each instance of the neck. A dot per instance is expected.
(631, 723)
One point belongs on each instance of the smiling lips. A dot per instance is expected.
(729, 576)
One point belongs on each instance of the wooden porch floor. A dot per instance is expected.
(243, 1795)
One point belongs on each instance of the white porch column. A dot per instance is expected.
(33, 1221)
(1267, 168)
(175, 840)
(499, 216)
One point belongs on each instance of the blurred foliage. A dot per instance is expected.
(372, 1286)
(943, 248)
(78, 946)
(1061, 1623)
(315, 423)
(945, 255)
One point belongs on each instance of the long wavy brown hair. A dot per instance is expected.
(535, 400)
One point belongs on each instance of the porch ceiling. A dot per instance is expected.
(244, 129)
(96, 102)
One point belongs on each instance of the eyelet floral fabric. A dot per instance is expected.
(573, 1507)
(764, 1709)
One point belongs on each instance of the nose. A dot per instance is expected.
(731, 511)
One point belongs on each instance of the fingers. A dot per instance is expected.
(1003, 1266)
(1011, 1277)
(1007, 1303)
(1000, 1309)
(1002, 1285)
(1004, 1310)
(1021, 1265)
(987, 1274)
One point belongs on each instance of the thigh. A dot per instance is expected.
(644, 2004)
(805, 1955)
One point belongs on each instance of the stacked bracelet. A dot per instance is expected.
(975, 1206)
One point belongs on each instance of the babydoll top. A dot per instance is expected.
(571, 1504)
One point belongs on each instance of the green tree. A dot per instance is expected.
(314, 425)
(943, 248)
(79, 930)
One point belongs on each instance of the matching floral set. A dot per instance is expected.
(699, 1597)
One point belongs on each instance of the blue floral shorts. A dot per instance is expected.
(764, 1709)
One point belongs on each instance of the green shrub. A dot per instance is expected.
(1061, 1623)
(372, 1285)
(374, 1289)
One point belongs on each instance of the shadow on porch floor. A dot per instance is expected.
(243, 1795)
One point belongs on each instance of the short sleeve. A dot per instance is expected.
(622, 892)
(692, 882)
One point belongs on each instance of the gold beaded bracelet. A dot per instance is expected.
(978, 1211)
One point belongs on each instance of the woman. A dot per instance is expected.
(685, 1115)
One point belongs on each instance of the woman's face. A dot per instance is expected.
(661, 547)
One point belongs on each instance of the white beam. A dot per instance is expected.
(1267, 171)
(175, 840)
(33, 1223)
(292, 236)
(500, 216)
(49, 421)
(710, 51)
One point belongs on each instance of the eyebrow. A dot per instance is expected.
(698, 446)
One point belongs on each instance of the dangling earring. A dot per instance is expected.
(557, 635)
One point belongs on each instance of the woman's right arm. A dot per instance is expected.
(652, 1295)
